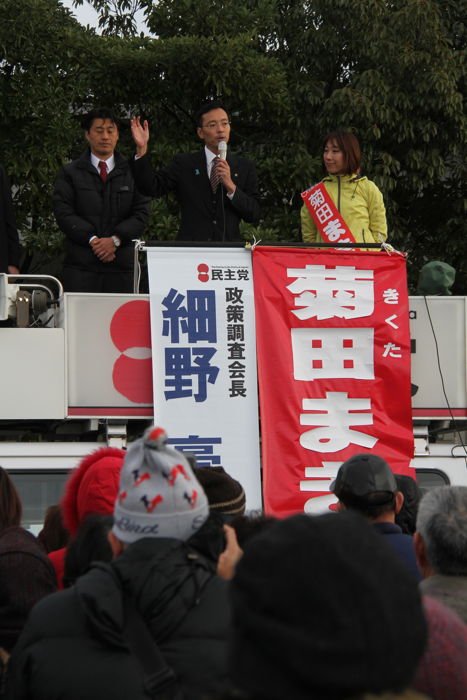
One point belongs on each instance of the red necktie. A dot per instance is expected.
(103, 170)
(214, 178)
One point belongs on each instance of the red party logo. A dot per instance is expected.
(130, 330)
(203, 272)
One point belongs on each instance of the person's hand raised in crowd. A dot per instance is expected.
(140, 133)
(231, 555)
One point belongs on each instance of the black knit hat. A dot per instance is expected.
(323, 608)
(225, 494)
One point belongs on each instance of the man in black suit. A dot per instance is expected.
(9, 242)
(212, 203)
(100, 211)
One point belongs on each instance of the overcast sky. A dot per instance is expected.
(87, 15)
(83, 13)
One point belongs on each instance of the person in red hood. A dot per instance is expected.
(91, 488)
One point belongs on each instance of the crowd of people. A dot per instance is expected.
(162, 586)
(149, 579)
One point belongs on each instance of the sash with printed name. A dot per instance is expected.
(326, 216)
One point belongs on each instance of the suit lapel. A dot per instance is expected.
(203, 186)
(232, 160)
(199, 166)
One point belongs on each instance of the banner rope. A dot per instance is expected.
(253, 244)
(388, 248)
(136, 264)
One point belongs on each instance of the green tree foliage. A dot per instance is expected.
(41, 79)
(289, 71)
(388, 71)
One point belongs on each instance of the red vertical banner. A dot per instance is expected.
(333, 350)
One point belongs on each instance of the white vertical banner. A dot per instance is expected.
(204, 358)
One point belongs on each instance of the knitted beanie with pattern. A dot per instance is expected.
(159, 495)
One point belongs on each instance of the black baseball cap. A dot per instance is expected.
(365, 476)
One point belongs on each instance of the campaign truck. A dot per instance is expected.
(76, 373)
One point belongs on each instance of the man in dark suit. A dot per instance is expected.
(212, 203)
(100, 211)
(9, 242)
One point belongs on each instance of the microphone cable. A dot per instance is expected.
(223, 156)
(223, 194)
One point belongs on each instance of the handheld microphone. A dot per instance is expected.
(222, 148)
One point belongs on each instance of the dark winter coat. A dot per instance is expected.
(74, 645)
(26, 576)
(403, 544)
(84, 206)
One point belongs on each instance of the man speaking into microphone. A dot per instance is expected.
(215, 189)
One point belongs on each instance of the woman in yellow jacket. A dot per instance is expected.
(358, 200)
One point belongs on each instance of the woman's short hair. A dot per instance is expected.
(11, 510)
(350, 147)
